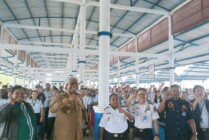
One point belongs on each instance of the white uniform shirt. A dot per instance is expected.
(157, 104)
(86, 101)
(48, 95)
(122, 101)
(36, 105)
(50, 113)
(131, 107)
(204, 116)
(151, 96)
(3, 102)
(113, 121)
(144, 115)
(94, 99)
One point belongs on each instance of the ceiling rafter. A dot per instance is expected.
(32, 17)
(49, 24)
(60, 29)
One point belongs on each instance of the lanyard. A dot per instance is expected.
(33, 103)
(201, 108)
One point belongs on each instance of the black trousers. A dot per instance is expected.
(178, 138)
(111, 136)
(144, 134)
(50, 128)
(203, 134)
(46, 119)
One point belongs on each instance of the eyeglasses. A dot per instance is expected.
(141, 95)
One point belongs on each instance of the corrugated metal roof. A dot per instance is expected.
(58, 15)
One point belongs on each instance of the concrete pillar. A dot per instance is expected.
(2, 32)
(23, 79)
(0, 59)
(118, 71)
(30, 82)
(74, 69)
(171, 51)
(70, 65)
(82, 60)
(137, 72)
(24, 73)
(104, 53)
(1, 41)
(137, 65)
(30, 75)
(15, 69)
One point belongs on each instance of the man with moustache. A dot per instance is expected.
(179, 116)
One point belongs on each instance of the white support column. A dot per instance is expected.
(119, 71)
(15, 68)
(82, 61)
(24, 73)
(104, 54)
(30, 75)
(1, 41)
(74, 69)
(171, 71)
(137, 72)
(137, 65)
(29, 82)
(0, 59)
(69, 66)
(171, 51)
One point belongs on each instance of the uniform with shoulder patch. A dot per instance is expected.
(178, 113)
(113, 121)
(144, 115)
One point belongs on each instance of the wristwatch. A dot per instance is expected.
(194, 133)
(157, 135)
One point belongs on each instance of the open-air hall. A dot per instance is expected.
(105, 44)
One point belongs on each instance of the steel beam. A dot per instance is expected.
(44, 43)
(9, 25)
(129, 8)
(58, 50)
(117, 6)
(192, 50)
(70, 1)
(51, 44)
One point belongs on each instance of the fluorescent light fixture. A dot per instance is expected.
(48, 74)
(58, 71)
(48, 79)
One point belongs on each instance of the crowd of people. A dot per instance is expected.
(43, 112)
(159, 113)
(163, 113)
